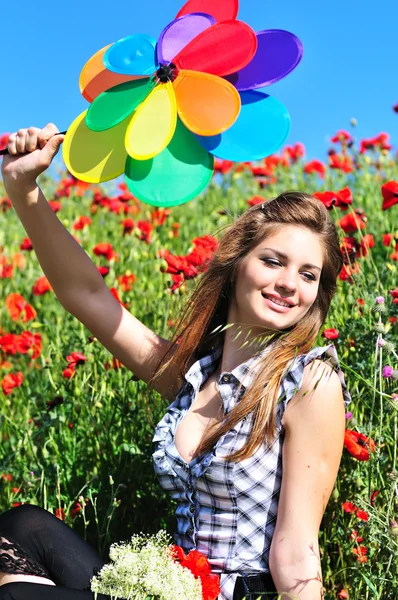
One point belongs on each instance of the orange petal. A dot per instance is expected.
(207, 104)
(95, 77)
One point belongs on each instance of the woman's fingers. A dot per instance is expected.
(31, 139)
(44, 135)
(12, 144)
(20, 143)
(28, 140)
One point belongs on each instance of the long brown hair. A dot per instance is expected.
(201, 328)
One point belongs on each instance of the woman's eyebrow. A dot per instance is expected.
(283, 255)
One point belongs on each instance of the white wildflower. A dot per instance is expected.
(144, 567)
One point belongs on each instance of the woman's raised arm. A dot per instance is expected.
(73, 276)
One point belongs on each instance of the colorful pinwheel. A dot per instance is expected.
(161, 111)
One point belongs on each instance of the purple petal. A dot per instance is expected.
(179, 33)
(278, 53)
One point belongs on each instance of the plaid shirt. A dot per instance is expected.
(228, 510)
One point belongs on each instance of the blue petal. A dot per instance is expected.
(260, 130)
(132, 55)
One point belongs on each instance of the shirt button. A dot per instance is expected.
(226, 378)
(192, 508)
(190, 531)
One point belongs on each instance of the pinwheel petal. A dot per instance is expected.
(179, 33)
(205, 105)
(174, 176)
(96, 79)
(153, 124)
(221, 10)
(132, 55)
(91, 156)
(261, 129)
(278, 53)
(114, 105)
(220, 49)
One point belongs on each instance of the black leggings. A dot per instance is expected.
(42, 545)
(35, 542)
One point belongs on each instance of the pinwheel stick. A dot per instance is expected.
(5, 151)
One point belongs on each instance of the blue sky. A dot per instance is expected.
(349, 68)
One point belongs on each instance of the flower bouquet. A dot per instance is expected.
(151, 568)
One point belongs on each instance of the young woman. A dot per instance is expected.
(251, 443)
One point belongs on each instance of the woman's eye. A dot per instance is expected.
(309, 276)
(271, 261)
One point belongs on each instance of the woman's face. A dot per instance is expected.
(278, 281)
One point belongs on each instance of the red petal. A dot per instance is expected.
(390, 194)
(221, 49)
(221, 11)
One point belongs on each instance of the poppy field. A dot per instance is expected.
(76, 425)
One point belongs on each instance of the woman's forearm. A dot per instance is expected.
(297, 574)
(70, 271)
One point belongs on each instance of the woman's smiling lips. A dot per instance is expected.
(277, 303)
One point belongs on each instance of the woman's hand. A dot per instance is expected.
(30, 152)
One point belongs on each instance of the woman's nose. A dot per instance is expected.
(287, 281)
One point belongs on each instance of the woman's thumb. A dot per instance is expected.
(52, 147)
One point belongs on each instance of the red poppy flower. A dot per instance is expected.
(222, 166)
(103, 270)
(60, 513)
(81, 222)
(344, 198)
(104, 249)
(394, 255)
(18, 307)
(328, 199)
(255, 200)
(343, 594)
(126, 281)
(349, 507)
(348, 271)
(330, 334)
(76, 509)
(354, 221)
(315, 166)
(380, 141)
(41, 286)
(360, 552)
(11, 381)
(145, 229)
(358, 445)
(128, 226)
(26, 244)
(160, 215)
(29, 343)
(394, 295)
(295, 152)
(76, 358)
(366, 243)
(55, 205)
(354, 536)
(342, 162)
(362, 515)
(341, 136)
(390, 194)
(387, 238)
(4, 140)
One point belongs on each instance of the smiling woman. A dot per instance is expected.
(250, 446)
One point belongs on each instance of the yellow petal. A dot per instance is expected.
(153, 124)
(95, 156)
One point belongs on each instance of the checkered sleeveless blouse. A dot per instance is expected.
(228, 510)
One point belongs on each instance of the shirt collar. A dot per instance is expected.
(244, 373)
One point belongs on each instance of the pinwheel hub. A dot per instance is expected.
(167, 72)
